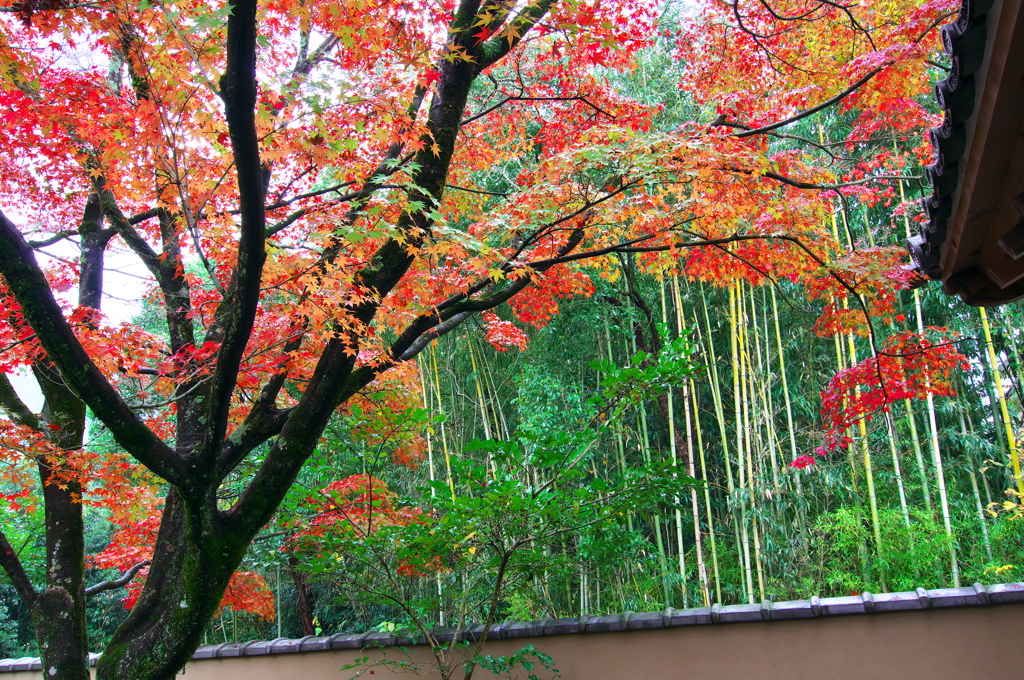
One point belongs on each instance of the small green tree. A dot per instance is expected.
(457, 553)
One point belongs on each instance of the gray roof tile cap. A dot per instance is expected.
(315, 644)
(561, 626)
(409, 640)
(205, 652)
(284, 645)
(895, 602)
(345, 641)
(498, 631)
(473, 633)
(646, 621)
(26, 663)
(379, 639)
(736, 613)
(689, 617)
(795, 609)
(259, 648)
(607, 624)
(953, 597)
(229, 649)
(520, 629)
(851, 604)
(1006, 592)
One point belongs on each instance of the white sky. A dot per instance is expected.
(124, 282)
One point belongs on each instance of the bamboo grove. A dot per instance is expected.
(909, 503)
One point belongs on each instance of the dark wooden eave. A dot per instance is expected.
(973, 238)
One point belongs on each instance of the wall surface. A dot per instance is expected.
(938, 644)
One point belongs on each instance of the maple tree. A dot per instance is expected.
(355, 180)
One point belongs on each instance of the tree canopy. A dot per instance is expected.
(317, 191)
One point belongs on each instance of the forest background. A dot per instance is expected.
(743, 321)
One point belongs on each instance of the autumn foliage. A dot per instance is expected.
(906, 367)
(316, 191)
(133, 544)
(357, 505)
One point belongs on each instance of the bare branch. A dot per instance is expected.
(14, 569)
(49, 241)
(820, 107)
(118, 582)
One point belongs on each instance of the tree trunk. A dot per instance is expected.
(304, 597)
(192, 564)
(58, 613)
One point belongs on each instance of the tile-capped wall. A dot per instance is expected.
(865, 603)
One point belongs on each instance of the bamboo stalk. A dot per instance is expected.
(862, 430)
(982, 523)
(702, 572)
(919, 457)
(716, 394)
(747, 376)
(707, 496)
(498, 413)
(430, 469)
(768, 416)
(984, 477)
(891, 432)
(940, 475)
(997, 380)
(711, 367)
(660, 543)
(742, 429)
(479, 393)
(444, 435)
(840, 354)
(675, 463)
(785, 382)
(425, 393)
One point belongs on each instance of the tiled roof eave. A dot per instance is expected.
(966, 42)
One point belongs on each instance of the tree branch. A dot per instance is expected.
(127, 232)
(14, 406)
(434, 324)
(236, 314)
(514, 31)
(16, 572)
(59, 236)
(119, 582)
(827, 187)
(810, 112)
(19, 268)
